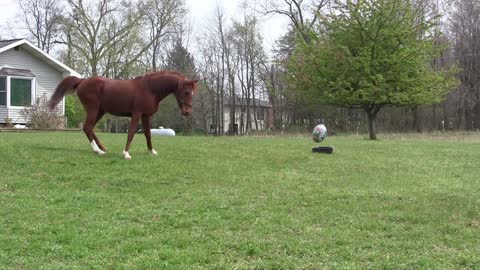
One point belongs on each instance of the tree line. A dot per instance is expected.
(356, 66)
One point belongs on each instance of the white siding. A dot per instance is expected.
(3, 113)
(47, 78)
(226, 123)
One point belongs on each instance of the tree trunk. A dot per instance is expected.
(372, 111)
(468, 117)
(416, 119)
(445, 116)
(274, 125)
(477, 110)
(371, 126)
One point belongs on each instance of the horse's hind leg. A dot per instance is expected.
(148, 136)
(88, 129)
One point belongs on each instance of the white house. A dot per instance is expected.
(263, 110)
(26, 74)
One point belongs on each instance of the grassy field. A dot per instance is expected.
(239, 203)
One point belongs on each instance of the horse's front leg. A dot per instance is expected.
(131, 132)
(146, 129)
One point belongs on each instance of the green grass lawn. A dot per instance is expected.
(238, 203)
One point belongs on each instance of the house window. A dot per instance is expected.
(20, 92)
(17, 87)
(3, 91)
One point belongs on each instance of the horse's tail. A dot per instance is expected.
(66, 86)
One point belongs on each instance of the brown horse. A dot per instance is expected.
(136, 98)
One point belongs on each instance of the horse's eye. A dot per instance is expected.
(187, 93)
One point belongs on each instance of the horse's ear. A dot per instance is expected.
(193, 81)
(194, 84)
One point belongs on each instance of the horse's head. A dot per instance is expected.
(184, 95)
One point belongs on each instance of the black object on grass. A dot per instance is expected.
(323, 149)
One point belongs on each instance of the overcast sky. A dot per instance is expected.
(201, 12)
(7, 10)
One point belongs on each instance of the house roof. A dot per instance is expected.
(6, 45)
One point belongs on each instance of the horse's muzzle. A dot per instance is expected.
(187, 113)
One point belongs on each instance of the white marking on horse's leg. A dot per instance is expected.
(154, 152)
(126, 155)
(95, 148)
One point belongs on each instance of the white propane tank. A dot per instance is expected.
(162, 131)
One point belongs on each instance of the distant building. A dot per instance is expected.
(264, 115)
(26, 74)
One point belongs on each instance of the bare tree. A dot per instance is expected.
(271, 77)
(95, 30)
(228, 66)
(302, 14)
(106, 34)
(465, 31)
(42, 20)
(214, 70)
(248, 48)
(211, 72)
(162, 18)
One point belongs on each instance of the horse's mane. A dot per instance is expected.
(152, 79)
(160, 72)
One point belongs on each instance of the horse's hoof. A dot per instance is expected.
(126, 156)
(99, 152)
(153, 152)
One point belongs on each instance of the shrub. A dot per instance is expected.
(40, 116)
